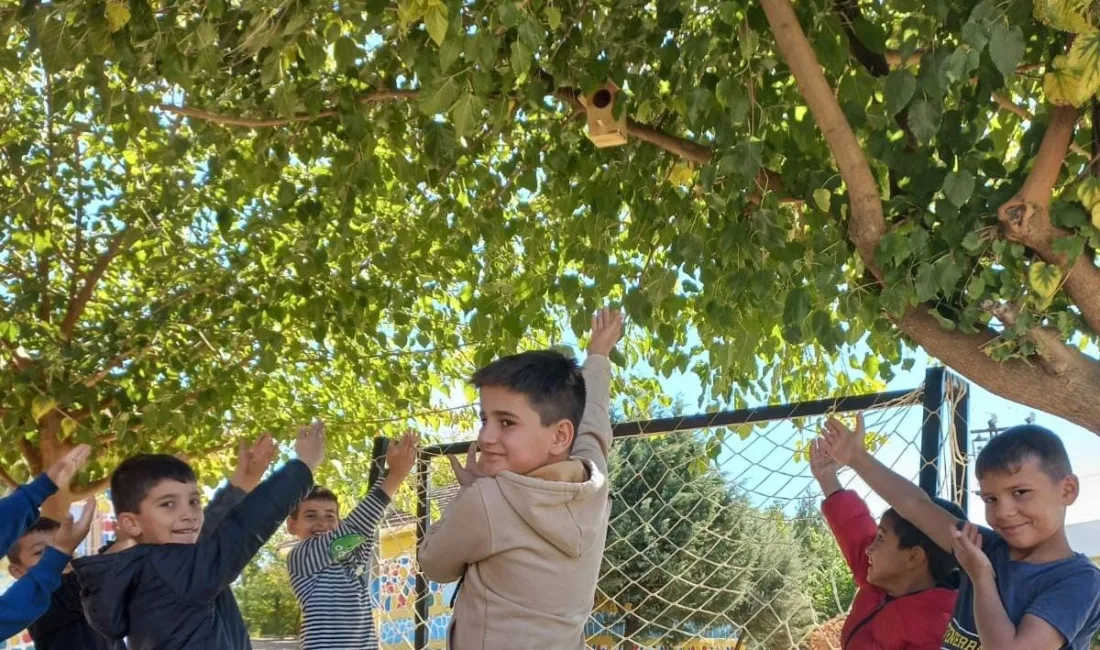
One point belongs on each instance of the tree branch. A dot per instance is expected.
(868, 224)
(1024, 114)
(1025, 218)
(8, 480)
(93, 488)
(682, 147)
(1015, 379)
(372, 97)
(80, 302)
(31, 455)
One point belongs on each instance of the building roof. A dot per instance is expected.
(1084, 538)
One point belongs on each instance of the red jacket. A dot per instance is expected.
(876, 622)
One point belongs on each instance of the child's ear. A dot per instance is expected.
(292, 526)
(563, 438)
(1071, 489)
(16, 572)
(130, 525)
(917, 557)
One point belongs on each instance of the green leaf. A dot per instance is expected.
(1006, 48)
(449, 53)
(1044, 278)
(796, 308)
(900, 86)
(822, 198)
(435, 19)
(466, 113)
(924, 119)
(521, 58)
(958, 187)
(441, 99)
(206, 34)
(346, 52)
(553, 17)
(1088, 192)
(117, 13)
(41, 405)
(1069, 248)
(870, 34)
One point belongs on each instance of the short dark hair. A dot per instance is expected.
(41, 525)
(137, 475)
(941, 563)
(1007, 451)
(318, 493)
(552, 382)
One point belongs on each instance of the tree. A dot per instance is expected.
(686, 552)
(271, 211)
(828, 578)
(264, 595)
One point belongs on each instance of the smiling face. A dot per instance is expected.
(512, 436)
(314, 517)
(170, 513)
(1027, 507)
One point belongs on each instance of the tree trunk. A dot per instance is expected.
(633, 626)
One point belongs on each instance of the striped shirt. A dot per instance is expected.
(330, 576)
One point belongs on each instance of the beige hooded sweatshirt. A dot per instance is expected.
(530, 546)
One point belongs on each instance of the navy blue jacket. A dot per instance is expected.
(177, 596)
(64, 627)
(29, 597)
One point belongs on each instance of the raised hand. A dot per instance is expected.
(968, 551)
(824, 467)
(63, 471)
(471, 472)
(310, 445)
(842, 443)
(400, 458)
(252, 462)
(71, 533)
(607, 329)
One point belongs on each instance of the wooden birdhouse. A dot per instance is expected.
(599, 106)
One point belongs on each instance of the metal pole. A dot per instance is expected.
(377, 460)
(961, 417)
(931, 431)
(725, 418)
(423, 517)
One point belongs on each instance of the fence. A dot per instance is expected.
(725, 553)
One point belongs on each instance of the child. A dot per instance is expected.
(63, 626)
(330, 566)
(1024, 588)
(905, 581)
(170, 591)
(29, 597)
(526, 531)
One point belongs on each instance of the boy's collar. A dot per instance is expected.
(566, 471)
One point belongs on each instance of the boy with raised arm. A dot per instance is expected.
(1024, 588)
(29, 597)
(526, 531)
(330, 566)
(170, 590)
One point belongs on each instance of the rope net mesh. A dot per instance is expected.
(716, 541)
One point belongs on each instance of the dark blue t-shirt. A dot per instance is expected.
(1065, 594)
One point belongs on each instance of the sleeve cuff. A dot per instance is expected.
(40, 489)
(378, 493)
(299, 470)
(53, 560)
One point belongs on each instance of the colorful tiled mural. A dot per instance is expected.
(394, 592)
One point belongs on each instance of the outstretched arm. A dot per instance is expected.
(593, 440)
(847, 447)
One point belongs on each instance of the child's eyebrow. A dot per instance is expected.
(502, 413)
